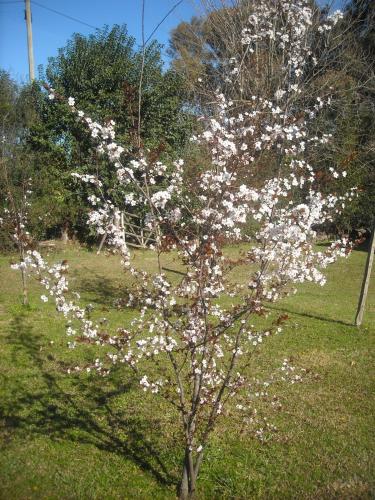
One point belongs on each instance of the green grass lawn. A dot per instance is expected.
(78, 437)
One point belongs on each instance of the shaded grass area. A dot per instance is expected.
(88, 437)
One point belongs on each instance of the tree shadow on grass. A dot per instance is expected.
(76, 408)
(101, 289)
(360, 247)
(105, 293)
(308, 315)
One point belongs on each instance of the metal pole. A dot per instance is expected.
(29, 40)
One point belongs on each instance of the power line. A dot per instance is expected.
(64, 15)
(51, 10)
(90, 25)
(162, 21)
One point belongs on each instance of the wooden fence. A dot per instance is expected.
(133, 230)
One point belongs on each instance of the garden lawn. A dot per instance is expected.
(86, 437)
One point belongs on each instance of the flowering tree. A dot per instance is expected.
(192, 338)
(14, 220)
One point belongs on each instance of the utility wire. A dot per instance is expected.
(162, 21)
(90, 25)
(64, 15)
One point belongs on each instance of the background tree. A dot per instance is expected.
(208, 48)
(16, 116)
(102, 71)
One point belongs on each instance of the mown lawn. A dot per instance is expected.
(84, 437)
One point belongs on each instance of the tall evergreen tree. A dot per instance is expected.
(102, 72)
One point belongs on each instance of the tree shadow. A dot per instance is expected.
(106, 293)
(102, 290)
(78, 410)
(363, 246)
(308, 315)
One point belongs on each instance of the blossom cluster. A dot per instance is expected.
(287, 25)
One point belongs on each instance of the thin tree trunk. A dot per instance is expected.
(64, 233)
(25, 298)
(184, 485)
(366, 281)
(188, 480)
(101, 243)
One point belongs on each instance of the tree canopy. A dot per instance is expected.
(102, 71)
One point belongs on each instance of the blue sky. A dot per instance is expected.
(51, 31)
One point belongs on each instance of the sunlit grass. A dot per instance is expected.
(88, 437)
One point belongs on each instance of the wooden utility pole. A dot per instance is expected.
(29, 40)
(366, 280)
